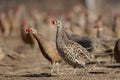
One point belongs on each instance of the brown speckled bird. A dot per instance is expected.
(71, 52)
(92, 44)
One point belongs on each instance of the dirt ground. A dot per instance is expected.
(33, 66)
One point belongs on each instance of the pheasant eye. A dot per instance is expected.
(53, 22)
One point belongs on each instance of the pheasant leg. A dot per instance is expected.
(57, 66)
(53, 67)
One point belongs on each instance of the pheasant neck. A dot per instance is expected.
(114, 23)
(41, 43)
(117, 23)
(98, 33)
(60, 36)
(23, 29)
(40, 39)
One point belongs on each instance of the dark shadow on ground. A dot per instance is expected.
(38, 75)
(112, 66)
(94, 72)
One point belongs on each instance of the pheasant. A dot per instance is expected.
(15, 22)
(2, 55)
(117, 51)
(27, 38)
(89, 29)
(92, 44)
(75, 26)
(46, 28)
(5, 25)
(116, 25)
(103, 31)
(71, 52)
(48, 48)
(4, 51)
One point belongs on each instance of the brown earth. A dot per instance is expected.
(33, 66)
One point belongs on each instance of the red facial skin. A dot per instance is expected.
(68, 18)
(24, 22)
(53, 22)
(96, 26)
(118, 14)
(82, 11)
(17, 10)
(28, 29)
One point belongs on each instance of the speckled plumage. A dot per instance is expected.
(92, 44)
(72, 52)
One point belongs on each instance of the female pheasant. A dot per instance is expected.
(48, 48)
(71, 52)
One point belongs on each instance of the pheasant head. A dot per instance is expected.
(68, 18)
(30, 29)
(57, 23)
(17, 10)
(96, 26)
(10, 11)
(98, 23)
